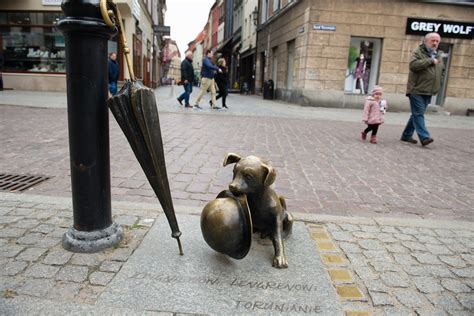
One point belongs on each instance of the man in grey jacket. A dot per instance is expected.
(424, 80)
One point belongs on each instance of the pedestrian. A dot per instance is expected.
(424, 80)
(113, 73)
(222, 81)
(207, 80)
(374, 109)
(187, 78)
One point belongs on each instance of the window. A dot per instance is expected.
(264, 16)
(276, 5)
(30, 42)
(363, 64)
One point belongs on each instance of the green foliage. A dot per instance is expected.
(351, 61)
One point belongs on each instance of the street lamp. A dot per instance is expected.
(255, 16)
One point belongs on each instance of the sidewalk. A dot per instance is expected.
(377, 266)
(398, 242)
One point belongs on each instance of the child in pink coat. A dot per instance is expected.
(374, 109)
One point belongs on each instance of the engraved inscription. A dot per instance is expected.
(278, 307)
(273, 285)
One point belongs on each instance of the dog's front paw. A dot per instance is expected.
(280, 262)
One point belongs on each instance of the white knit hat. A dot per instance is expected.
(376, 89)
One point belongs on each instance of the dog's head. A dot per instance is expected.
(251, 174)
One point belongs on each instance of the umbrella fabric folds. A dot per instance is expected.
(135, 110)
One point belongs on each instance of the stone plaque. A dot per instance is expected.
(157, 278)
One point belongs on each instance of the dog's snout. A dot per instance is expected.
(233, 188)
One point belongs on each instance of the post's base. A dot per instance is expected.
(95, 241)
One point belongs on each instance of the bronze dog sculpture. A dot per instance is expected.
(253, 177)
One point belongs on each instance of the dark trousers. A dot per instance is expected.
(222, 94)
(372, 127)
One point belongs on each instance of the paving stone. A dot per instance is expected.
(349, 227)
(349, 247)
(467, 300)
(369, 228)
(47, 242)
(31, 254)
(404, 237)
(386, 238)
(425, 231)
(43, 228)
(469, 282)
(333, 227)
(364, 235)
(39, 270)
(389, 229)
(396, 248)
(426, 258)
(376, 286)
(417, 270)
(370, 244)
(382, 266)
(458, 248)
(365, 273)
(89, 294)
(56, 233)
(57, 257)
(395, 311)
(30, 239)
(440, 271)
(445, 233)
(342, 236)
(120, 254)
(438, 249)
(410, 298)
(26, 223)
(110, 266)
(21, 212)
(469, 258)
(10, 251)
(9, 283)
(453, 261)
(455, 286)
(381, 299)
(427, 285)
(100, 278)
(409, 230)
(464, 233)
(428, 239)
(378, 255)
(87, 259)
(404, 259)
(127, 220)
(36, 287)
(445, 301)
(72, 273)
(65, 291)
(414, 245)
(464, 272)
(430, 312)
(356, 259)
(13, 268)
(395, 279)
(12, 232)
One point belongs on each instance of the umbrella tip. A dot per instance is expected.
(180, 246)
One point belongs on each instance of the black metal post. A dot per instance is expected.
(86, 36)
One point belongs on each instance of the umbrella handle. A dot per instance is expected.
(111, 16)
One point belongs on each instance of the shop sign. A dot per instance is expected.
(452, 29)
(322, 27)
(51, 2)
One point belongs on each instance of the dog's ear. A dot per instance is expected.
(271, 175)
(231, 158)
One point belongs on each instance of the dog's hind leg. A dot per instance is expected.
(287, 219)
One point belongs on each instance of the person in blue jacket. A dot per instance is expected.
(207, 80)
(113, 73)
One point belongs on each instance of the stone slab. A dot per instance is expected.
(206, 282)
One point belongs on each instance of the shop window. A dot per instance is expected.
(363, 64)
(30, 42)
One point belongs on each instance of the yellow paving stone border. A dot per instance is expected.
(337, 267)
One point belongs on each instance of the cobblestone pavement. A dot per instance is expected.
(323, 167)
(378, 266)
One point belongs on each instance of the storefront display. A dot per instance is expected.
(30, 42)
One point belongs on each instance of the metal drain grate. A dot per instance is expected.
(16, 182)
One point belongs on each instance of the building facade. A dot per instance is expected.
(312, 50)
(33, 48)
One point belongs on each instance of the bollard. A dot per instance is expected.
(86, 36)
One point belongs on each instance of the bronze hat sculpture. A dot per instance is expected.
(253, 178)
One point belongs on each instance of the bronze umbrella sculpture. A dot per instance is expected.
(135, 110)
